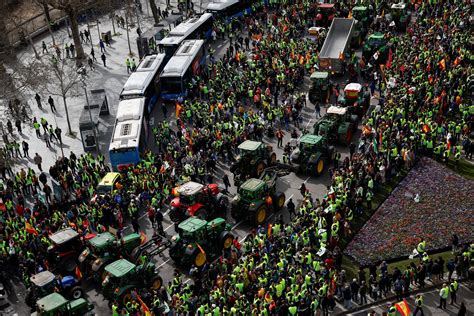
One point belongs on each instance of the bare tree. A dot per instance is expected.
(71, 7)
(60, 78)
(22, 28)
(154, 11)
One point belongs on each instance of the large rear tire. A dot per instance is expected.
(261, 215)
(200, 258)
(226, 240)
(156, 283)
(279, 201)
(319, 167)
(76, 292)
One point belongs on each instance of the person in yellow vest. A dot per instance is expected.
(443, 296)
(453, 289)
(392, 310)
(419, 304)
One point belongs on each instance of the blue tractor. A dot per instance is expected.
(45, 283)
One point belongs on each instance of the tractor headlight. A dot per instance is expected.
(236, 199)
(84, 255)
(97, 262)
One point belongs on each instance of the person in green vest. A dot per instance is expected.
(443, 296)
(392, 310)
(453, 289)
(419, 300)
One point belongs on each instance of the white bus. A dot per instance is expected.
(145, 81)
(199, 27)
(129, 135)
(229, 9)
(188, 61)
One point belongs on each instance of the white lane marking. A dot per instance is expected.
(185, 282)
(237, 225)
(166, 213)
(168, 227)
(306, 179)
(164, 263)
(289, 198)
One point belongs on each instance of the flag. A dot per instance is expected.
(403, 308)
(178, 109)
(269, 232)
(200, 248)
(30, 230)
(376, 147)
(78, 273)
(442, 64)
(390, 58)
(144, 307)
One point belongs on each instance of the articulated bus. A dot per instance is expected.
(229, 9)
(199, 27)
(188, 61)
(145, 81)
(130, 134)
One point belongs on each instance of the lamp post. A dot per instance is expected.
(84, 85)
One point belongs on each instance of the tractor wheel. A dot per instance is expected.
(201, 213)
(279, 201)
(156, 283)
(319, 167)
(225, 240)
(76, 292)
(260, 168)
(273, 158)
(200, 258)
(261, 215)
(348, 136)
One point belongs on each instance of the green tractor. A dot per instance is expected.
(103, 249)
(338, 125)
(198, 240)
(55, 304)
(400, 15)
(124, 277)
(364, 17)
(45, 283)
(253, 158)
(320, 88)
(355, 96)
(376, 43)
(256, 198)
(312, 154)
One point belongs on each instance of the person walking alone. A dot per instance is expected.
(102, 46)
(38, 100)
(291, 208)
(38, 160)
(26, 147)
(51, 104)
(103, 59)
(419, 304)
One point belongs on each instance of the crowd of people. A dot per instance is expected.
(287, 268)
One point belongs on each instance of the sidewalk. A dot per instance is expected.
(110, 78)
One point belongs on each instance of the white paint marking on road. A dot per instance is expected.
(237, 225)
(166, 213)
(220, 45)
(306, 179)
(164, 263)
(168, 227)
(289, 198)
(185, 282)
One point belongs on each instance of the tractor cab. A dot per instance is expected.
(320, 87)
(55, 304)
(253, 157)
(374, 43)
(196, 199)
(363, 15)
(252, 190)
(198, 240)
(338, 124)
(400, 15)
(356, 97)
(63, 251)
(311, 154)
(45, 282)
(117, 273)
(326, 13)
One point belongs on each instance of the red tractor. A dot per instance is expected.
(196, 199)
(326, 13)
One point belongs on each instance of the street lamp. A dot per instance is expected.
(84, 85)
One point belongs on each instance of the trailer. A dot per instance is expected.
(336, 45)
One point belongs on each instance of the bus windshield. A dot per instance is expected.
(171, 85)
